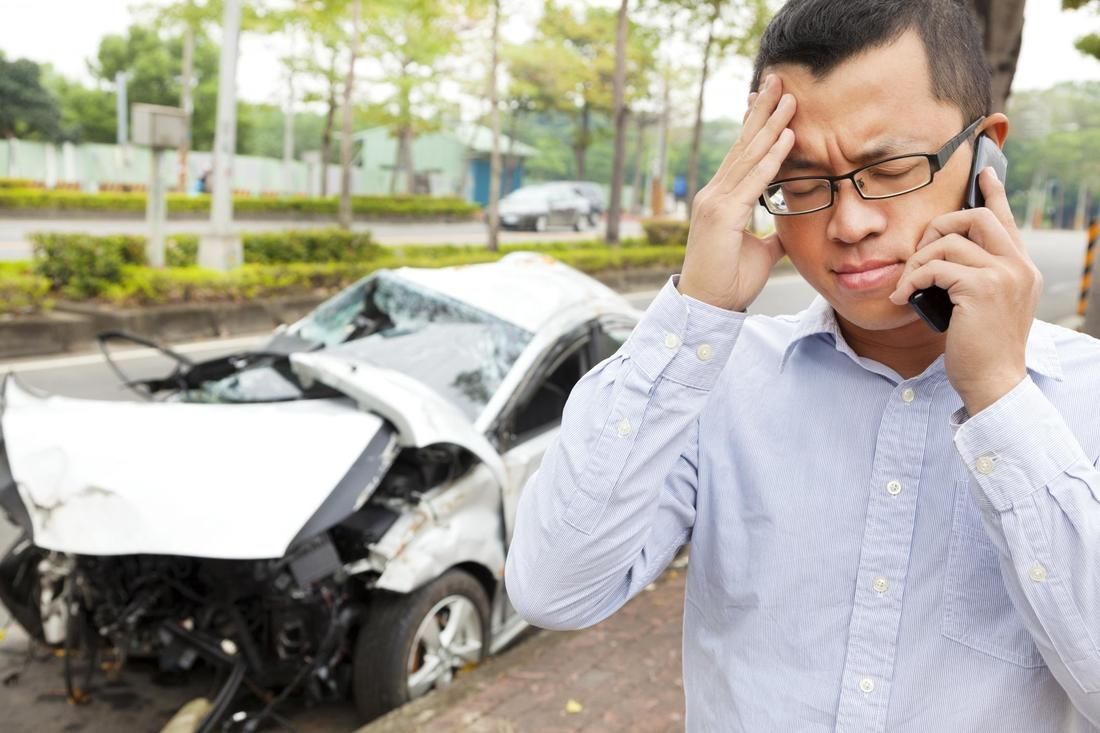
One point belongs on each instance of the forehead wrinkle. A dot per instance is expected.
(885, 148)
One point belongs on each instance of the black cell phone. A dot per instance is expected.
(934, 304)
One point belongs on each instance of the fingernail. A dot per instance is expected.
(752, 98)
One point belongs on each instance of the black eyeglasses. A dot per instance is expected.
(884, 179)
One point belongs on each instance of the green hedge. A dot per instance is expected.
(21, 291)
(82, 266)
(665, 231)
(399, 207)
(19, 183)
(146, 286)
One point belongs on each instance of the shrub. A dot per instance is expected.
(21, 291)
(20, 183)
(665, 231)
(81, 266)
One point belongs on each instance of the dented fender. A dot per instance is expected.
(451, 525)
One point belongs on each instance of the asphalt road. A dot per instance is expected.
(15, 243)
(140, 700)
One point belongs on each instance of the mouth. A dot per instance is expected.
(868, 275)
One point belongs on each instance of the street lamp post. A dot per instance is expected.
(220, 248)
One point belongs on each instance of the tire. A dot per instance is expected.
(580, 222)
(391, 648)
(540, 224)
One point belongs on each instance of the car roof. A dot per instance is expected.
(526, 289)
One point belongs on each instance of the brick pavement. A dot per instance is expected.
(624, 674)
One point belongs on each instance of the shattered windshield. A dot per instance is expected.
(457, 350)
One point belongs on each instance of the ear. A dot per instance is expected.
(996, 127)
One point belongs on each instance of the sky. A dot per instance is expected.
(65, 33)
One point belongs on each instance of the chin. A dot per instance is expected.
(876, 316)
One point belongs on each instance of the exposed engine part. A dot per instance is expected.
(53, 573)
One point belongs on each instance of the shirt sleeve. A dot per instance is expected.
(1039, 495)
(614, 497)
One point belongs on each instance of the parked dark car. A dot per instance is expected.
(546, 205)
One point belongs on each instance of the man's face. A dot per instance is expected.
(873, 106)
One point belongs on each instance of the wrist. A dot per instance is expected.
(989, 391)
(725, 303)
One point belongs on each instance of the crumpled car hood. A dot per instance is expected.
(203, 480)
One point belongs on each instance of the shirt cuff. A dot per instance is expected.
(1017, 445)
(684, 339)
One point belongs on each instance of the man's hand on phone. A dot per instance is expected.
(725, 265)
(979, 258)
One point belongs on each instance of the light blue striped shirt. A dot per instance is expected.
(864, 555)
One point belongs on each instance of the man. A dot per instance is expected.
(892, 529)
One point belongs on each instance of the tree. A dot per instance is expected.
(730, 27)
(1002, 25)
(1088, 44)
(569, 68)
(153, 74)
(26, 108)
(494, 112)
(344, 212)
(615, 208)
(412, 42)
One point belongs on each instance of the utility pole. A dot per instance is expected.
(185, 101)
(220, 249)
(288, 120)
(494, 116)
(123, 131)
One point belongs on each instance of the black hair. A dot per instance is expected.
(821, 34)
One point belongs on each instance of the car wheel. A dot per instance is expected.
(593, 220)
(579, 223)
(412, 644)
(540, 224)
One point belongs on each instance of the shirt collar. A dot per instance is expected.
(1041, 356)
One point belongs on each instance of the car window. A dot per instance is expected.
(607, 338)
(543, 407)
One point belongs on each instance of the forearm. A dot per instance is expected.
(1040, 496)
(614, 496)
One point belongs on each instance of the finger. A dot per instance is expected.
(752, 100)
(996, 200)
(978, 225)
(952, 248)
(749, 186)
(940, 273)
(752, 121)
(767, 97)
(760, 145)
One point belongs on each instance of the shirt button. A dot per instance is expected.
(880, 585)
(672, 341)
(894, 488)
(705, 352)
(624, 427)
(985, 465)
(867, 684)
(908, 395)
(1037, 573)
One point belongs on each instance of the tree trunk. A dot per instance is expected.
(345, 213)
(1002, 25)
(639, 152)
(615, 207)
(697, 132)
(330, 118)
(580, 145)
(494, 116)
(407, 161)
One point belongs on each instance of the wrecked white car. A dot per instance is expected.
(328, 513)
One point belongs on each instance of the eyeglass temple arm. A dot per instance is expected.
(953, 144)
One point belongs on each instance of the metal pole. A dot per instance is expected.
(155, 210)
(1088, 302)
(123, 136)
(221, 250)
(185, 102)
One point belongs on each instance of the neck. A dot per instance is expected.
(908, 349)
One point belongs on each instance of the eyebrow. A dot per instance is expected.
(885, 149)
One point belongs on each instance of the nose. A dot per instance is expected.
(852, 218)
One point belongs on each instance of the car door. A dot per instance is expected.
(532, 421)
